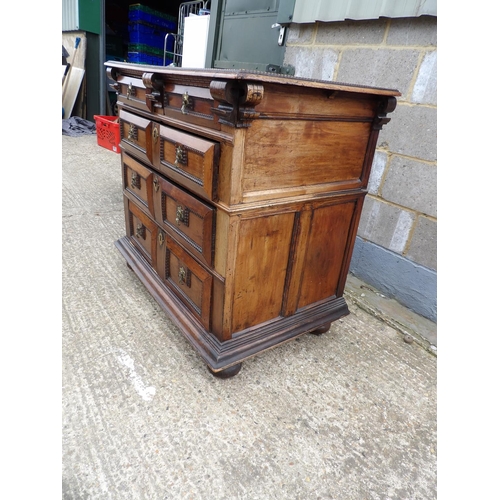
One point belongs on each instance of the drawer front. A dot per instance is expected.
(132, 92)
(190, 104)
(138, 183)
(189, 160)
(136, 135)
(190, 282)
(185, 218)
(142, 231)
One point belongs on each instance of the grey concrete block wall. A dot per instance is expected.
(400, 212)
(404, 181)
(411, 132)
(386, 224)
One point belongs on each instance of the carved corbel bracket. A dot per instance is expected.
(154, 90)
(112, 74)
(237, 101)
(386, 106)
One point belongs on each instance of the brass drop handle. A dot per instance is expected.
(131, 132)
(180, 155)
(156, 184)
(140, 231)
(161, 238)
(182, 216)
(130, 89)
(182, 276)
(135, 181)
(155, 135)
(179, 215)
(186, 103)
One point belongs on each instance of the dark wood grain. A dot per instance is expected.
(188, 159)
(138, 183)
(186, 219)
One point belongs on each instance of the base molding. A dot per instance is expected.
(244, 344)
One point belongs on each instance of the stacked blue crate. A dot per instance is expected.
(147, 30)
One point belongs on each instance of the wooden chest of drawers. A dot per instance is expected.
(242, 194)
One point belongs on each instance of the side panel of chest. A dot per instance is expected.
(287, 260)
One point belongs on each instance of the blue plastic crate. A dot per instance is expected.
(145, 58)
(154, 51)
(145, 34)
(141, 13)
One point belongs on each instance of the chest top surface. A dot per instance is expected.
(174, 73)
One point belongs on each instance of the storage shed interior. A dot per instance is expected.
(118, 36)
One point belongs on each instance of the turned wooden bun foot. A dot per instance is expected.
(227, 372)
(321, 329)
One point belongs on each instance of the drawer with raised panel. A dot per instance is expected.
(187, 159)
(186, 218)
(130, 90)
(142, 231)
(136, 135)
(138, 183)
(189, 281)
(190, 104)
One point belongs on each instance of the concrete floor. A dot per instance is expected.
(347, 415)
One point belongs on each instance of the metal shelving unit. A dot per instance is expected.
(185, 9)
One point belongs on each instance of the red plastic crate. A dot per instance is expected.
(108, 132)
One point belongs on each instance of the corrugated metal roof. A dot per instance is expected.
(309, 11)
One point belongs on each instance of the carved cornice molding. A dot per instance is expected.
(237, 101)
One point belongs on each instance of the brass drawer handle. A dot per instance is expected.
(156, 184)
(182, 215)
(140, 231)
(179, 215)
(130, 90)
(161, 238)
(132, 132)
(135, 181)
(182, 276)
(155, 135)
(180, 155)
(186, 103)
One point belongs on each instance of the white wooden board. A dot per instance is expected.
(74, 77)
(72, 87)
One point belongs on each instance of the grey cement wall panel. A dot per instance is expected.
(414, 133)
(385, 224)
(378, 168)
(412, 184)
(425, 87)
(312, 62)
(410, 284)
(351, 32)
(377, 67)
(423, 245)
(421, 31)
(300, 34)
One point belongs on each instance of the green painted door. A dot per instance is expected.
(250, 34)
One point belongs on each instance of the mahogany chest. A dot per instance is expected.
(242, 196)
